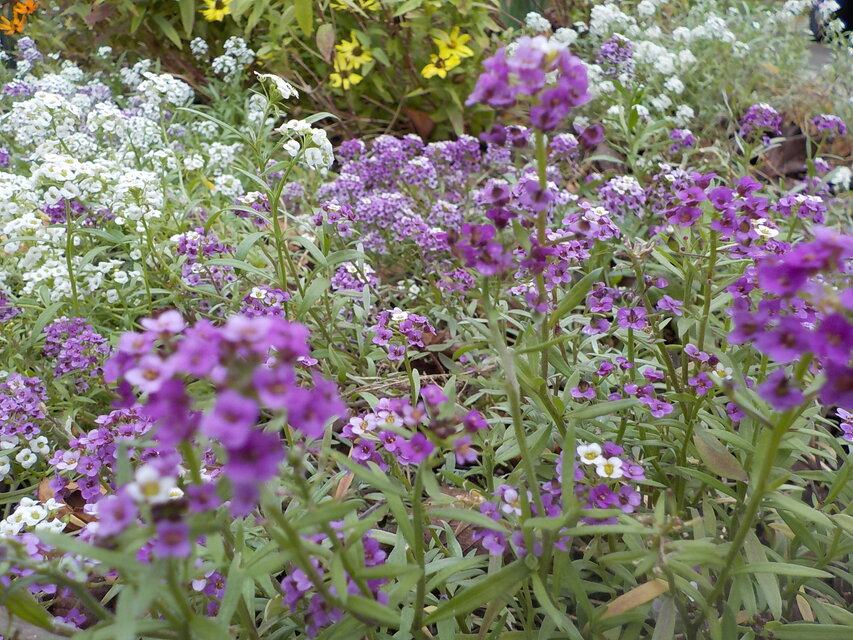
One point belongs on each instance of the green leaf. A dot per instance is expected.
(716, 457)
(665, 623)
(21, 604)
(247, 243)
(464, 515)
(574, 297)
(383, 615)
(41, 322)
(805, 630)
(768, 583)
(601, 409)
(782, 568)
(492, 587)
(304, 15)
(313, 293)
(168, 30)
(188, 16)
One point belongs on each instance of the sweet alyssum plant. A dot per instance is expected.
(541, 401)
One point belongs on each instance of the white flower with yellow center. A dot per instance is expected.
(150, 486)
(609, 467)
(589, 453)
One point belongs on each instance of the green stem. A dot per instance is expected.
(69, 257)
(709, 279)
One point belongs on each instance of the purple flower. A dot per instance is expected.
(256, 459)
(149, 374)
(628, 499)
(232, 418)
(838, 388)
(702, 383)
(669, 304)
(173, 539)
(632, 318)
(115, 513)
(787, 342)
(474, 421)
(779, 393)
(416, 450)
(433, 395)
(583, 390)
(465, 454)
(834, 339)
(202, 497)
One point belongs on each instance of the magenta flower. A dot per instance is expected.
(173, 539)
(779, 393)
(115, 514)
(465, 453)
(232, 418)
(838, 388)
(787, 342)
(416, 450)
(149, 374)
(256, 459)
(632, 318)
(670, 304)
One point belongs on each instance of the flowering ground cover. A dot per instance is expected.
(580, 370)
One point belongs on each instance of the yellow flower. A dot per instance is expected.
(439, 65)
(453, 43)
(343, 76)
(13, 26)
(368, 5)
(216, 10)
(352, 53)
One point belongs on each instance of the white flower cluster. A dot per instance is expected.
(32, 514)
(236, 58)
(310, 144)
(165, 89)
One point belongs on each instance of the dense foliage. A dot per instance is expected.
(581, 372)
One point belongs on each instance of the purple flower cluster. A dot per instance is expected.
(681, 139)
(616, 57)
(253, 205)
(7, 310)
(846, 425)
(622, 196)
(604, 478)
(829, 125)
(350, 277)
(92, 457)
(760, 118)
(197, 246)
(299, 593)
(477, 247)
(75, 348)
(399, 330)
(22, 406)
(264, 301)
(251, 361)
(397, 432)
(804, 307)
(5, 157)
(59, 211)
(525, 74)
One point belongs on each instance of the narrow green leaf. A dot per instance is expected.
(188, 16)
(782, 568)
(601, 409)
(491, 587)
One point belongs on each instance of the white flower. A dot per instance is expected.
(39, 445)
(674, 84)
(609, 467)
(33, 515)
(284, 88)
(149, 486)
(536, 22)
(589, 453)
(683, 115)
(646, 8)
(26, 458)
(291, 147)
(5, 466)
